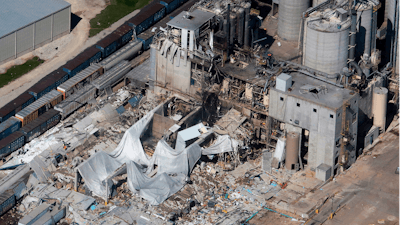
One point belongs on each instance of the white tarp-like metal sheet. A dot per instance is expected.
(224, 143)
(173, 166)
(95, 170)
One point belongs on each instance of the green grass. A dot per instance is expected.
(112, 13)
(17, 71)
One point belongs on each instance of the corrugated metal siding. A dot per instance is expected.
(7, 47)
(61, 22)
(112, 76)
(81, 79)
(125, 53)
(76, 100)
(39, 107)
(42, 31)
(25, 40)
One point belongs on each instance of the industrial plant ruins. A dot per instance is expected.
(214, 112)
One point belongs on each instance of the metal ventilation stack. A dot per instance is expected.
(327, 40)
(289, 21)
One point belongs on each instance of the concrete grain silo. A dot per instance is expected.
(326, 42)
(289, 20)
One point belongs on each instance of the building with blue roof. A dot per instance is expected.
(29, 24)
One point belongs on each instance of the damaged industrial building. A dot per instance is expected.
(213, 112)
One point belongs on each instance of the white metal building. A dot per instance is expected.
(29, 24)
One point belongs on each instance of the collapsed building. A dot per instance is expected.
(214, 123)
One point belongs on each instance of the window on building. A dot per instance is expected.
(281, 99)
(298, 104)
(315, 110)
(331, 116)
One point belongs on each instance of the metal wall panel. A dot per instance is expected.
(43, 31)
(61, 22)
(25, 39)
(7, 47)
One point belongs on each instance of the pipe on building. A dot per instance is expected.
(247, 7)
(396, 37)
(232, 29)
(353, 31)
(359, 70)
(240, 23)
(228, 30)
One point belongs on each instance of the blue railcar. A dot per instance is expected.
(11, 143)
(108, 44)
(125, 33)
(82, 61)
(171, 5)
(48, 83)
(148, 16)
(15, 106)
(7, 201)
(9, 126)
(146, 38)
(43, 123)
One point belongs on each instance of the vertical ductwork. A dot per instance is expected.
(240, 25)
(353, 31)
(232, 29)
(247, 7)
(228, 39)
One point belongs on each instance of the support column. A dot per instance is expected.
(34, 28)
(15, 55)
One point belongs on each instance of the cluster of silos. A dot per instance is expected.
(326, 41)
(366, 30)
(237, 24)
(392, 20)
(290, 18)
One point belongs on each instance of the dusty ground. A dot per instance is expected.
(282, 50)
(67, 47)
(368, 193)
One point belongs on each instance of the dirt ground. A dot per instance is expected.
(368, 193)
(58, 52)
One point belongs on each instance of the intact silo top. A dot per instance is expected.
(329, 26)
(16, 14)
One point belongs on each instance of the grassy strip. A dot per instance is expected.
(17, 71)
(112, 13)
